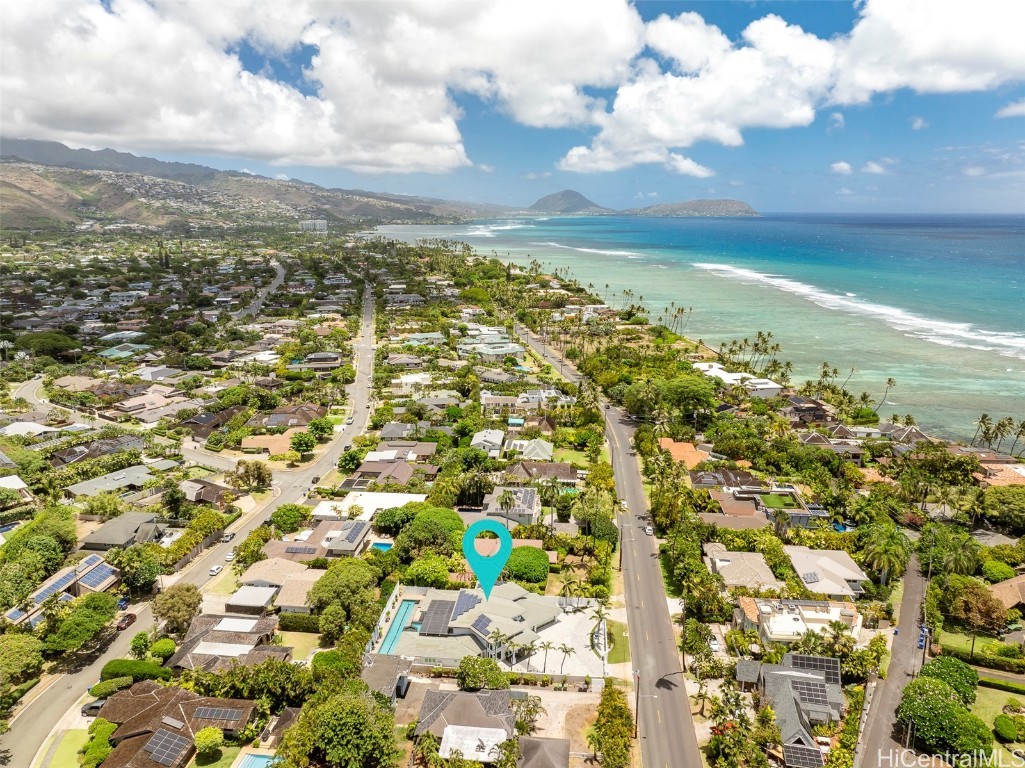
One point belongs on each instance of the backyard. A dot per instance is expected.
(988, 704)
(223, 758)
(301, 643)
(578, 458)
(779, 501)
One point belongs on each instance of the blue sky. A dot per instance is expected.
(890, 105)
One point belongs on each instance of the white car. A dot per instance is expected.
(714, 645)
(230, 556)
(216, 569)
(649, 530)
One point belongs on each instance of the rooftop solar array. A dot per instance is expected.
(172, 722)
(166, 748)
(89, 561)
(810, 578)
(58, 586)
(810, 692)
(481, 624)
(800, 756)
(300, 550)
(98, 575)
(216, 713)
(464, 602)
(355, 530)
(437, 617)
(15, 614)
(819, 663)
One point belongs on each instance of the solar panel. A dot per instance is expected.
(481, 624)
(810, 578)
(300, 550)
(57, 586)
(464, 602)
(800, 756)
(354, 531)
(165, 747)
(437, 617)
(216, 713)
(831, 667)
(90, 561)
(810, 692)
(172, 722)
(98, 575)
(15, 614)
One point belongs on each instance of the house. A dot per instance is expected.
(1010, 592)
(806, 410)
(755, 386)
(490, 441)
(990, 475)
(202, 491)
(409, 450)
(388, 676)
(409, 362)
(215, 643)
(786, 621)
(124, 531)
(740, 569)
(827, 571)
(271, 572)
(124, 351)
(726, 478)
(294, 593)
(20, 488)
(289, 416)
(318, 361)
(534, 450)
(331, 538)
(538, 752)
(96, 449)
(498, 376)
(273, 445)
(204, 424)
(545, 423)
(526, 508)
(470, 722)
(251, 601)
(397, 430)
(91, 574)
(534, 471)
(6, 462)
(408, 383)
(157, 725)
(684, 453)
(131, 478)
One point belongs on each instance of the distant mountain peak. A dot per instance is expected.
(567, 201)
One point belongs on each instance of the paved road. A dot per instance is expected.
(666, 727)
(257, 303)
(881, 736)
(34, 723)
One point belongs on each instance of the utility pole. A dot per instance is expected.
(637, 701)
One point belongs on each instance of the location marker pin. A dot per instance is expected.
(487, 569)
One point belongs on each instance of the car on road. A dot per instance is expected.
(92, 709)
(230, 556)
(714, 645)
(122, 604)
(368, 405)
(216, 569)
(349, 420)
(316, 479)
(649, 530)
(623, 503)
(125, 622)
(227, 537)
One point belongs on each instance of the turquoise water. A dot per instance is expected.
(384, 546)
(936, 302)
(397, 625)
(257, 761)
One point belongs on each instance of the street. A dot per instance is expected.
(33, 723)
(667, 736)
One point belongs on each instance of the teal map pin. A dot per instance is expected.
(487, 569)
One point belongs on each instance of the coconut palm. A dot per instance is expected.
(886, 550)
(1003, 429)
(963, 559)
(546, 646)
(983, 424)
(1018, 435)
(506, 502)
(566, 651)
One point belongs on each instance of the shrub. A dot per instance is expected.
(1002, 685)
(163, 649)
(137, 670)
(108, 688)
(1005, 729)
(98, 747)
(529, 564)
(994, 571)
(475, 673)
(298, 622)
(987, 660)
(209, 740)
(955, 673)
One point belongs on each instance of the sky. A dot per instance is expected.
(796, 106)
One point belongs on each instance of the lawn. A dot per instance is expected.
(261, 496)
(896, 595)
(224, 584)
(224, 757)
(954, 639)
(66, 755)
(301, 643)
(672, 586)
(779, 501)
(988, 704)
(620, 650)
(579, 458)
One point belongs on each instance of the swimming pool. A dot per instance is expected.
(401, 617)
(384, 546)
(257, 761)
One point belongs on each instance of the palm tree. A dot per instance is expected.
(1003, 428)
(566, 651)
(599, 614)
(963, 560)
(506, 502)
(887, 549)
(890, 384)
(702, 694)
(546, 646)
(570, 586)
(983, 424)
(1018, 435)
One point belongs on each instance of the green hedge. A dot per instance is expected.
(108, 688)
(18, 513)
(163, 648)
(1002, 685)
(1002, 663)
(298, 622)
(1005, 729)
(137, 670)
(13, 696)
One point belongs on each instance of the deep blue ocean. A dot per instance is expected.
(936, 302)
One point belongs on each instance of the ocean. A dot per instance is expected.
(935, 302)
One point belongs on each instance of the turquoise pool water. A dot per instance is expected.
(401, 617)
(257, 761)
(384, 546)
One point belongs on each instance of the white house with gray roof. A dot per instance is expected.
(828, 572)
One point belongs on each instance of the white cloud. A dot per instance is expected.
(973, 171)
(879, 167)
(1014, 109)
(486, 168)
(844, 191)
(918, 123)
(836, 122)
(534, 175)
(842, 167)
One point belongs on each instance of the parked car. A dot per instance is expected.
(316, 479)
(122, 604)
(230, 556)
(216, 569)
(92, 709)
(649, 530)
(714, 645)
(349, 420)
(227, 537)
(125, 622)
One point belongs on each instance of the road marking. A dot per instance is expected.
(658, 712)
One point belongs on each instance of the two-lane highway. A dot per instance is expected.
(666, 726)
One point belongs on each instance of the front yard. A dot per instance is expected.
(620, 651)
(988, 704)
(66, 755)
